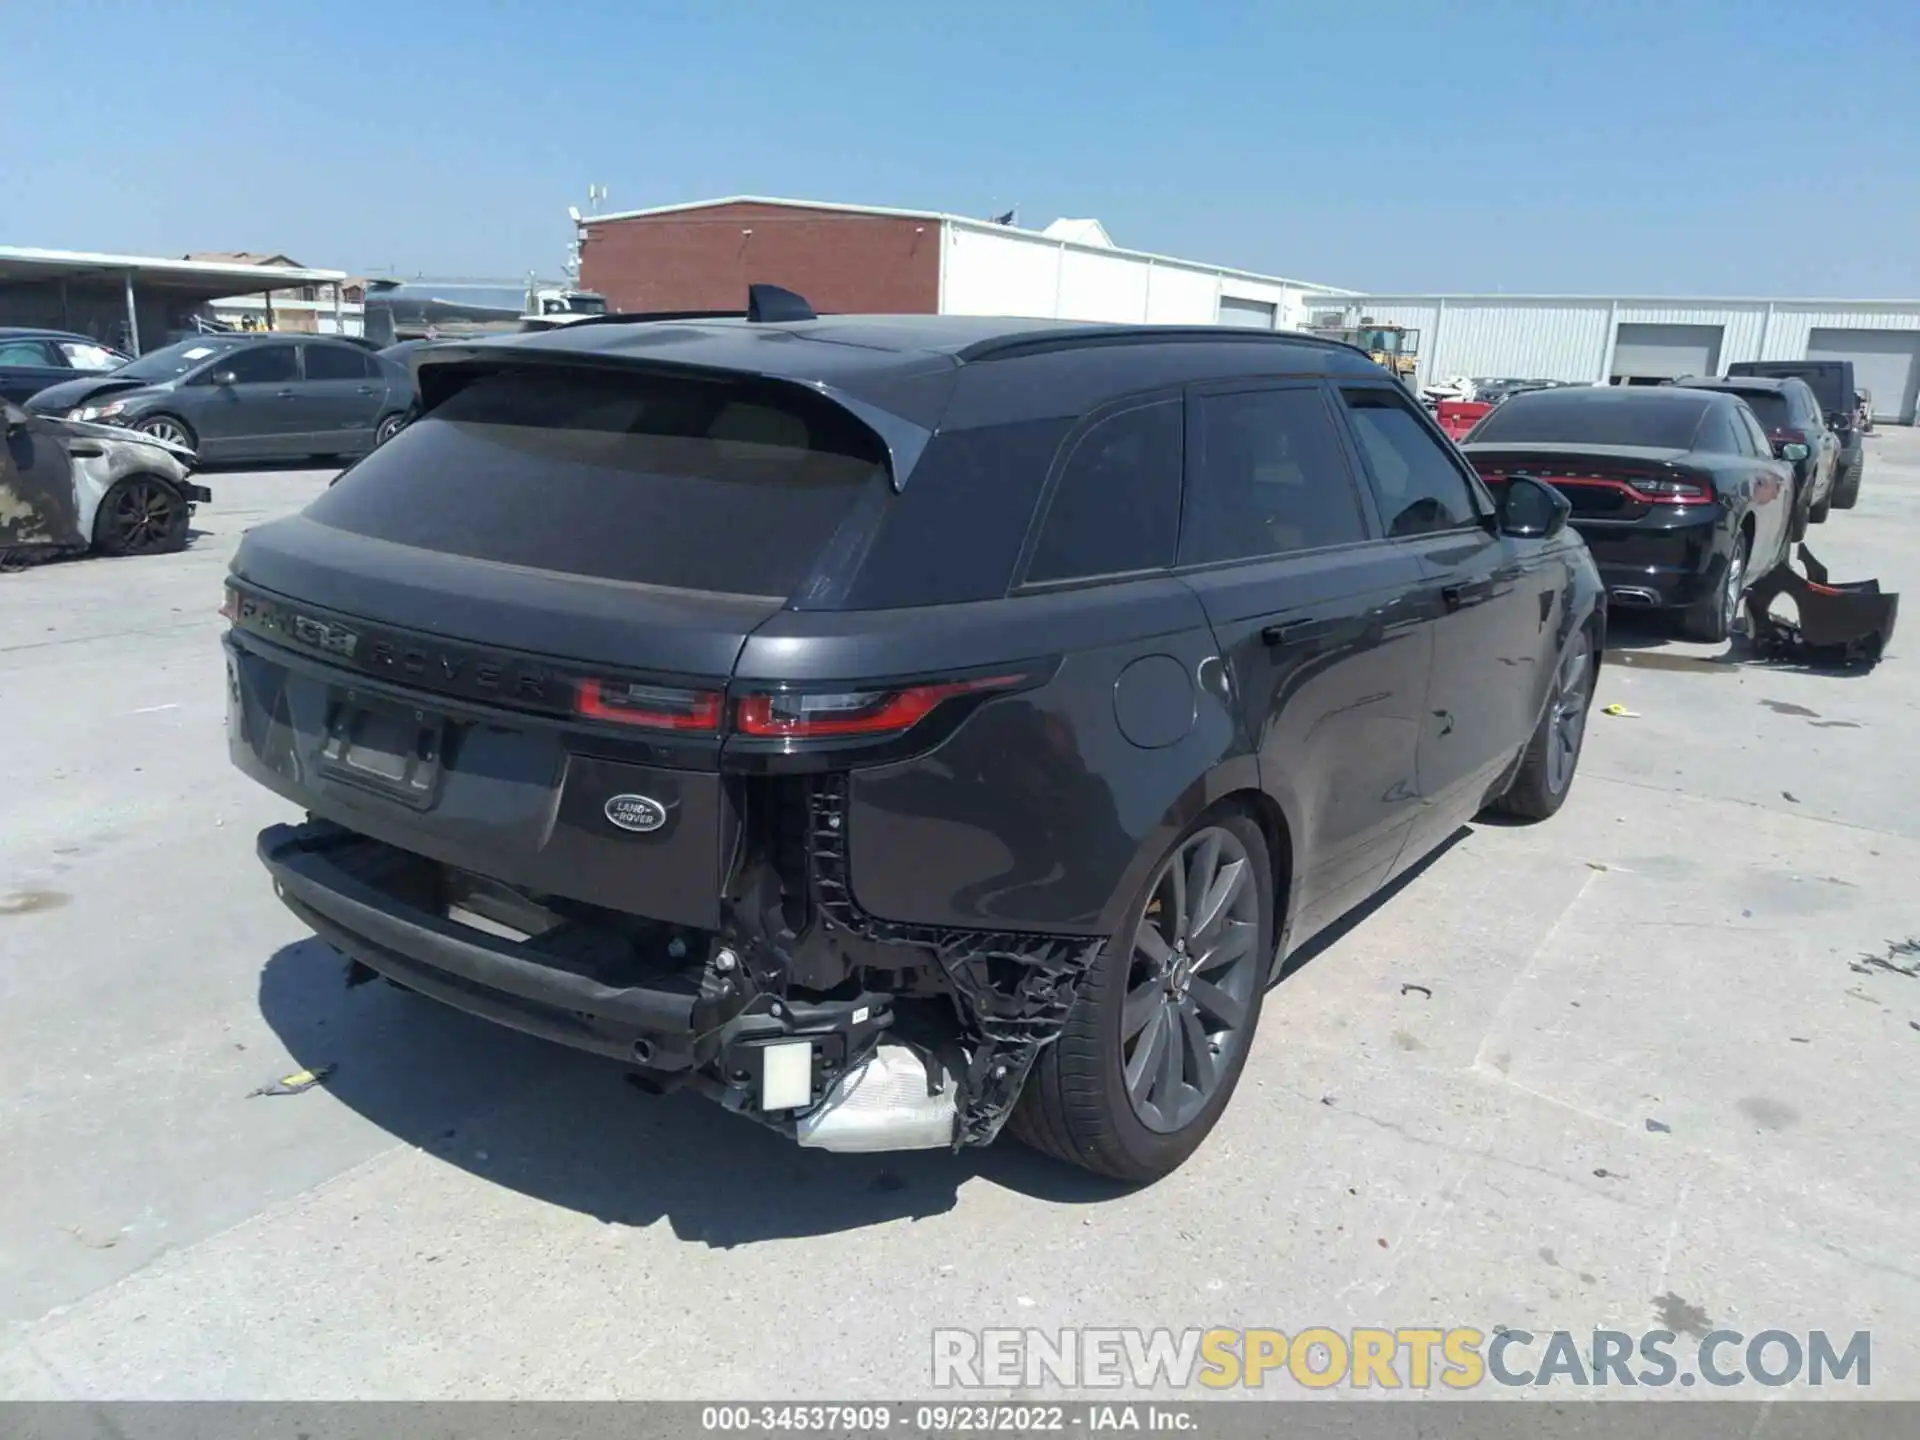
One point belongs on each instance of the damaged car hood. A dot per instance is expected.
(56, 399)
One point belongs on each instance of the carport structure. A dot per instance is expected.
(132, 301)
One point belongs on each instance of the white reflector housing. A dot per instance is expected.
(786, 1075)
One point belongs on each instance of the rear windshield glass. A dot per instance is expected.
(1770, 407)
(725, 487)
(1665, 420)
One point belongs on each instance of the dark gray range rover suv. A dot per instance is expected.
(894, 727)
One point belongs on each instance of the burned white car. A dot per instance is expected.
(67, 487)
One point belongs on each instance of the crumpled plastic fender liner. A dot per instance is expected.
(1015, 988)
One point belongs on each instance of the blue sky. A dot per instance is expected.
(1692, 147)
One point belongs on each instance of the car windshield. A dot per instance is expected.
(174, 361)
(1654, 420)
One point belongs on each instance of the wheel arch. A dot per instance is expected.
(1235, 783)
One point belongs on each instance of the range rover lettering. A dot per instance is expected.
(898, 728)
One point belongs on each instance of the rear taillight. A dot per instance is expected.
(821, 715)
(649, 707)
(1787, 437)
(1650, 489)
(1673, 492)
(229, 604)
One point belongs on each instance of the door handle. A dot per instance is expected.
(1292, 632)
(367, 390)
(1459, 596)
(1454, 595)
(283, 395)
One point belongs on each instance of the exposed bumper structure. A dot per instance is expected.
(828, 1072)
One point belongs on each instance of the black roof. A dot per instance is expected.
(837, 349)
(897, 373)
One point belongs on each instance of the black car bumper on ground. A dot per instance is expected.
(1659, 562)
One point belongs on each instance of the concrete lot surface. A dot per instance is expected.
(1649, 1081)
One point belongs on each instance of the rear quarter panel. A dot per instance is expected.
(1045, 810)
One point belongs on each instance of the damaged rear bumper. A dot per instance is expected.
(829, 1072)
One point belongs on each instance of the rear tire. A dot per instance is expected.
(1711, 618)
(1846, 489)
(390, 426)
(1539, 787)
(1079, 1104)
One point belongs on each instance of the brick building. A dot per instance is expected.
(864, 259)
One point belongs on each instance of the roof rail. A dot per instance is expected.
(1039, 342)
(638, 317)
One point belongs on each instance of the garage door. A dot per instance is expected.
(1886, 362)
(1662, 352)
(1253, 314)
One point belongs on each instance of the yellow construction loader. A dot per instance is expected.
(1394, 348)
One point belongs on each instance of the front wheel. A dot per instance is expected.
(1540, 785)
(142, 515)
(170, 429)
(1160, 1030)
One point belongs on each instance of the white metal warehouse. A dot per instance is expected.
(1602, 339)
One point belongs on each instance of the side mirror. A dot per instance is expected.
(1530, 509)
(1793, 450)
(223, 378)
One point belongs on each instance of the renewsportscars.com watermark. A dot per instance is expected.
(1404, 1358)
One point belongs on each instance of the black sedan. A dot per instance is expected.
(248, 397)
(1676, 491)
(31, 360)
(1789, 412)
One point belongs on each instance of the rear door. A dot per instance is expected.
(1494, 602)
(246, 404)
(342, 392)
(1311, 610)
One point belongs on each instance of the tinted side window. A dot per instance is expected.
(1116, 507)
(337, 362)
(31, 354)
(1757, 440)
(261, 365)
(1271, 478)
(1414, 480)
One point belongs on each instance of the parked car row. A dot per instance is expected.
(241, 397)
(1689, 492)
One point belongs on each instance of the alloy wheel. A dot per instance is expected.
(1190, 983)
(144, 516)
(165, 430)
(1568, 722)
(1730, 597)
